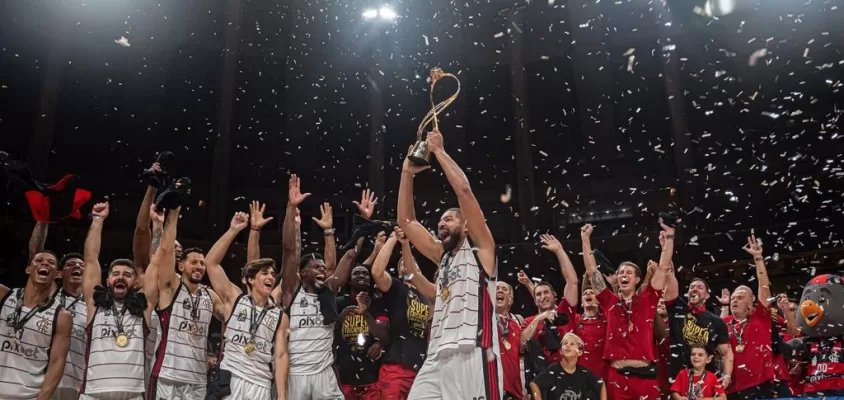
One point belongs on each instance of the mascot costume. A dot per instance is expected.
(821, 347)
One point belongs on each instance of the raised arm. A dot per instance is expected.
(427, 289)
(161, 274)
(550, 243)
(658, 281)
(58, 355)
(344, 269)
(290, 240)
(596, 279)
(525, 280)
(220, 282)
(383, 280)
(36, 241)
(282, 358)
(380, 239)
(475, 221)
(142, 239)
(257, 220)
(790, 316)
(92, 275)
(329, 252)
(754, 248)
(427, 244)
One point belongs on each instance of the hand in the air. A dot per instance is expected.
(435, 141)
(753, 246)
(239, 221)
(366, 206)
(411, 168)
(586, 231)
(725, 297)
(294, 191)
(550, 243)
(326, 219)
(256, 215)
(100, 210)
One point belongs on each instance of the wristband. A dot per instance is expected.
(669, 237)
(758, 259)
(328, 232)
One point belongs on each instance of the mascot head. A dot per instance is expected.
(821, 309)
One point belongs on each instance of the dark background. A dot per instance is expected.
(247, 92)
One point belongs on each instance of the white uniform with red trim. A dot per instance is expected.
(24, 359)
(180, 371)
(462, 361)
(74, 369)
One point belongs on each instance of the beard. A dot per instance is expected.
(195, 281)
(452, 241)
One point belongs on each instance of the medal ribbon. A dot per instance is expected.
(194, 300)
(118, 322)
(689, 394)
(253, 322)
(444, 267)
(18, 322)
(736, 333)
(504, 324)
(64, 301)
(628, 312)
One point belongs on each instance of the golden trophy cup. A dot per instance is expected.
(420, 154)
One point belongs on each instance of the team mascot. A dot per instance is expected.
(821, 345)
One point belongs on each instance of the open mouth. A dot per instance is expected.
(43, 272)
(320, 279)
(624, 281)
(812, 317)
(694, 297)
(443, 234)
(77, 273)
(269, 284)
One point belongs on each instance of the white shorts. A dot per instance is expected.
(112, 396)
(169, 390)
(459, 375)
(245, 390)
(65, 394)
(320, 386)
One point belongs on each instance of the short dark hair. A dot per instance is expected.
(457, 211)
(632, 264)
(186, 252)
(121, 262)
(43, 252)
(303, 262)
(543, 283)
(251, 269)
(701, 281)
(67, 257)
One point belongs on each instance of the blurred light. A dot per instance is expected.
(370, 13)
(387, 13)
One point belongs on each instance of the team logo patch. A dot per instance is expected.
(241, 316)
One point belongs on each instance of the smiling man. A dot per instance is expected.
(117, 319)
(69, 297)
(185, 309)
(35, 334)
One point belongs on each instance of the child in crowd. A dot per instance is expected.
(697, 383)
(566, 379)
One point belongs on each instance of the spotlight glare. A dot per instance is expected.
(370, 13)
(387, 13)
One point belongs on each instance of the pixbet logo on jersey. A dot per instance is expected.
(20, 348)
(192, 328)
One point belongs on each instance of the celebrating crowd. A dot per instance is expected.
(311, 326)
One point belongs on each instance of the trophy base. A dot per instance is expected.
(418, 161)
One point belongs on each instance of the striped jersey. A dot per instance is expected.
(74, 368)
(181, 352)
(111, 368)
(255, 368)
(310, 342)
(24, 359)
(464, 316)
(152, 340)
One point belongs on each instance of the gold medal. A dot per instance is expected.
(122, 340)
(444, 293)
(630, 327)
(739, 348)
(249, 347)
(507, 345)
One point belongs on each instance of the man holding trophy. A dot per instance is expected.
(463, 359)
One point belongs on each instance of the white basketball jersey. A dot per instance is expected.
(464, 318)
(182, 351)
(310, 342)
(111, 368)
(74, 369)
(152, 341)
(255, 368)
(24, 360)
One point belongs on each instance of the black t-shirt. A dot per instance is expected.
(409, 313)
(351, 341)
(555, 383)
(687, 328)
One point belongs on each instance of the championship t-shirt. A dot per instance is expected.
(352, 340)
(409, 314)
(753, 363)
(556, 383)
(704, 385)
(630, 332)
(692, 326)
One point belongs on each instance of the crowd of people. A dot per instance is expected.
(313, 326)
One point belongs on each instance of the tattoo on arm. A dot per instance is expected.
(156, 239)
(598, 283)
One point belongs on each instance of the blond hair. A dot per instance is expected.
(577, 339)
